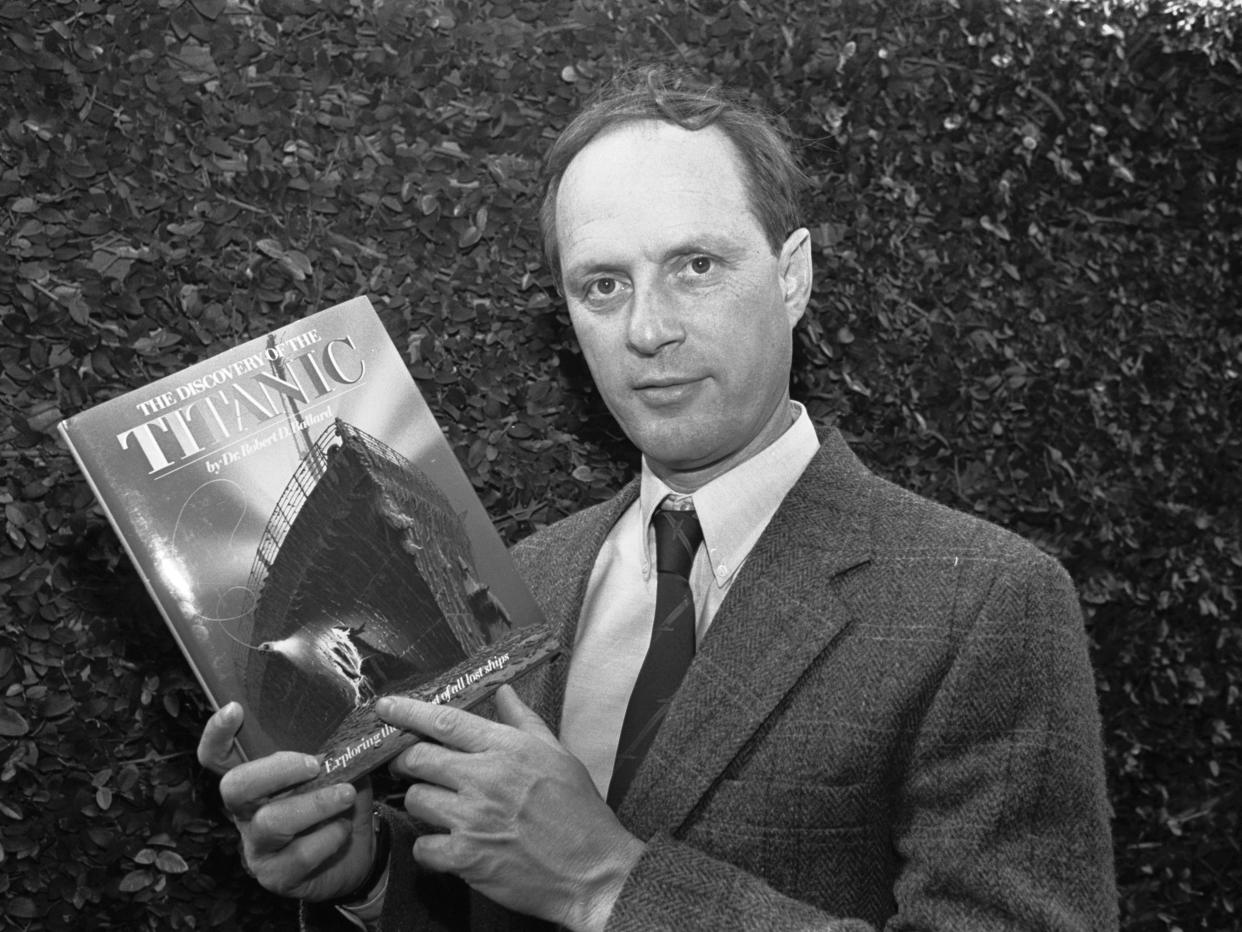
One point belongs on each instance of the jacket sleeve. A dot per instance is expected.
(1000, 819)
(1004, 821)
(676, 886)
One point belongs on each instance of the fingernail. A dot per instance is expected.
(344, 793)
(231, 709)
(311, 763)
(383, 706)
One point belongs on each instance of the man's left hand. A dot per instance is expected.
(526, 826)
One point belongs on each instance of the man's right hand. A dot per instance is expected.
(312, 846)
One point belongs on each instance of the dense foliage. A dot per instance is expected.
(1028, 225)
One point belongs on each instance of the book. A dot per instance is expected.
(298, 517)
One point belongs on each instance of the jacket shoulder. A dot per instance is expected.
(904, 522)
(567, 532)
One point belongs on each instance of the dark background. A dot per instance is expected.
(1026, 220)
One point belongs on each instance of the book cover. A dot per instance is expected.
(300, 520)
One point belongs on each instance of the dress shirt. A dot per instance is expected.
(614, 629)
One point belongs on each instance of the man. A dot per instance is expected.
(889, 719)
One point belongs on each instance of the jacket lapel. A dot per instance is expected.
(779, 615)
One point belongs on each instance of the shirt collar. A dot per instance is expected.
(734, 508)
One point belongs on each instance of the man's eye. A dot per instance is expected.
(602, 288)
(700, 265)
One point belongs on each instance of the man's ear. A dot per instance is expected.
(795, 273)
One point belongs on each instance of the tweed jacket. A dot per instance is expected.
(891, 724)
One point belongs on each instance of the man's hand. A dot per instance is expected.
(313, 846)
(526, 826)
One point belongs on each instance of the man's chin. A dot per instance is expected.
(682, 465)
(672, 445)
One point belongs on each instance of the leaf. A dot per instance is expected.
(187, 229)
(114, 261)
(269, 247)
(995, 228)
(195, 64)
(12, 724)
(209, 9)
(222, 909)
(81, 169)
(135, 881)
(298, 264)
(58, 705)
(100, 837)
(219, 147)
(103, 798)
(43, 417)
(22, 907)
(170, 862)
(155, 343)
(184, 19)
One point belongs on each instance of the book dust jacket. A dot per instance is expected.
(298, 517)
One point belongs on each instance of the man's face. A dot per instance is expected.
(681, 308)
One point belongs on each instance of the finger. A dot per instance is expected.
(441, 853)
(284, 872)
(511, 710)
(432, 763)
(279, 823)
(217, 747)
(453, 727)
(246, 785)
(433, 805)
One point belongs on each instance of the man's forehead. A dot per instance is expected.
(651, 143)
(654, 170)
(652, 188)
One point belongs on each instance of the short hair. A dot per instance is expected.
(774, 181)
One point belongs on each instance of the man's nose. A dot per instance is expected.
(655, 320)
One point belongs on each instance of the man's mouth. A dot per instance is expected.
(666, 389)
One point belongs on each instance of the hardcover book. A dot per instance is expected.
(298, 517)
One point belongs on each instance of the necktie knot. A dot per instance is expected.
(677, 537)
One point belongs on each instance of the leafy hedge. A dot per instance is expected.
(1027, 220)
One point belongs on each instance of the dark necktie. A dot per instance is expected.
(677, 536)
